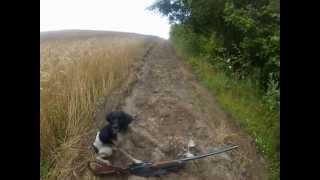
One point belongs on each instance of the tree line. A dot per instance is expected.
(240, 37)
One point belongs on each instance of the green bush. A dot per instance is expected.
(241, 39)
(272, 96)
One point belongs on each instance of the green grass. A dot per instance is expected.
(244, 102)
(44, 168)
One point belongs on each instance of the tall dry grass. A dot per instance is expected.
(75, 75)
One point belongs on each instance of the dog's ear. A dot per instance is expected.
(129, 118)
(109, 117)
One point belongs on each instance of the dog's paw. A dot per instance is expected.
(136, 161)
(104, 161)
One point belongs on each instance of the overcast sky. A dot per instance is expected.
(113, 15)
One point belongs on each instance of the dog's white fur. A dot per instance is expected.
(104, 150)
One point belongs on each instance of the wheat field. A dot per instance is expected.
(75, 75)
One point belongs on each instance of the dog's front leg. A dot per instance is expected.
(120, 137)
(115, 142)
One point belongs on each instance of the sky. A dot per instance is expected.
(109, 15)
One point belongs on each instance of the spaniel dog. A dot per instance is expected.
(118, 122)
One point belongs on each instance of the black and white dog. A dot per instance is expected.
(118, 122)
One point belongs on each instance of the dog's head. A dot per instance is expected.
(115, 127)
(119, 120)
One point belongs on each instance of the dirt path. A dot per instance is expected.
(172, 108)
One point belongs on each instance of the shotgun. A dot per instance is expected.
(147, 168)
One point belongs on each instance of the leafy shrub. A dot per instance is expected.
(240, 38)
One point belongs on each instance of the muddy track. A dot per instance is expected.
(172, 107)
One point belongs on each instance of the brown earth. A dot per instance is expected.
(172, 108)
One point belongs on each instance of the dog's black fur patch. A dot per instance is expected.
(107, 135)
(120, 119)
(116, 120)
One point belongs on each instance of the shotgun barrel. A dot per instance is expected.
(211, 154)
(147, 169)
